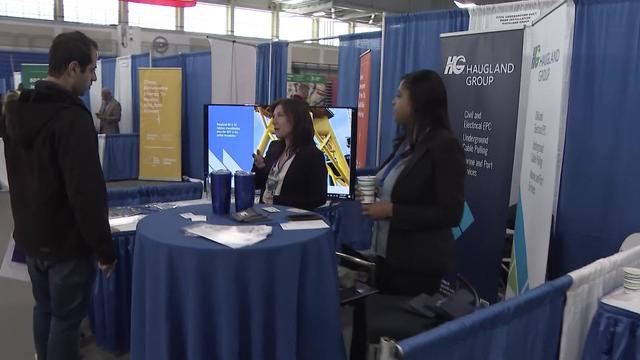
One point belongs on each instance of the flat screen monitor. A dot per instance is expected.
(234, 132)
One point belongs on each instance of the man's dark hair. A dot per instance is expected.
(68, 47)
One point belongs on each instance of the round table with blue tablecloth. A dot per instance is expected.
(196, 299)
(614, 332)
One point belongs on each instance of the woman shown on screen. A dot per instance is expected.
(293, 171)
(420, 191)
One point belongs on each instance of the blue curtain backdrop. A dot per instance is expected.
(11, 61)
(412, 42)
(196, 85)
(198, 79)
(279, 52)
(109, 74)
(351, 47)
(137, 61)
(600, 193)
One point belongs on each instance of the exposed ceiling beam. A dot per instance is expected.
(308, 8)
(356, 15)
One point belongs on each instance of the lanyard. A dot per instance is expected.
(392, 164)
(395, 160)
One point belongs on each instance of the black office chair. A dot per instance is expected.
(377, 315)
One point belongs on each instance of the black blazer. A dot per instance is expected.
(305, 184)
(428, 200)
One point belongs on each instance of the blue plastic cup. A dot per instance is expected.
(221, 191)
(245, 189)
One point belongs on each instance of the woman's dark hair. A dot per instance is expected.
(428, 105)
(299, 113)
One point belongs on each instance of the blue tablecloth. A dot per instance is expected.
(525, 327)
(121, 157)
(196, 299)
(110, 310)
(348, 224)
(165, 192)
(614, 334)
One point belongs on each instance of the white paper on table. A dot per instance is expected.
(621, 299)
(297, 211)
(304, 225)
(120, 221)
(187, 216)
(193, 217)
(130, 223)
(231, 236)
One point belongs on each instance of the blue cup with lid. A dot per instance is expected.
(245, 189)
(221, 191)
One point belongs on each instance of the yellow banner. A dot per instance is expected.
(160, 124)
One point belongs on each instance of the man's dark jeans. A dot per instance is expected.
(61, 291)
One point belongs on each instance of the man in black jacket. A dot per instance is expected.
(58, 194)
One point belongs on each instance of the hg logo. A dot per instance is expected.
(536, 57)
(452, 65)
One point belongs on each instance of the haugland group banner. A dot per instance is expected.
(160, 124)
(364, 94)
(482, 75)
(546, 61)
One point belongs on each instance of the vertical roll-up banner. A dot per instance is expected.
(546, 62)
(160, 124)
(482, 77)
(233, 72)
(123, 93)
(32, 73)
(364, 94)
(95, 95)
(17, 79)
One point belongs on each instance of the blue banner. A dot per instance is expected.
(482, 76)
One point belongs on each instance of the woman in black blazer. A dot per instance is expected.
(420, 191)
(293, 172)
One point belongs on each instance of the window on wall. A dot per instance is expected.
(328, 28)
(206, 18)
(152, 16)
(33, 9)
(294, 27)
(365, 28)
(103, 12)
(252, 23)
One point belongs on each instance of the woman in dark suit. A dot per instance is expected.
(420, 194)
(293, 172)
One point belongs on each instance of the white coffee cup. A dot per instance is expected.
(367, 187)
(368, 195)
(366, 180)
(368, 199)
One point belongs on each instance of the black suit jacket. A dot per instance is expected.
(428, 200)
(305, 184)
